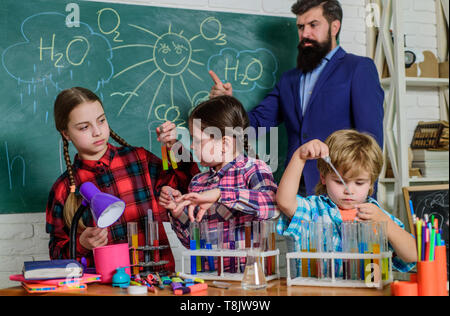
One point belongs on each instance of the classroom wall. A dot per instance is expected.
(23, 237)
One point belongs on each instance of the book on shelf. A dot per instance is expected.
(430, 155)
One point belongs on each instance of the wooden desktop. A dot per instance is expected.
(275, 288)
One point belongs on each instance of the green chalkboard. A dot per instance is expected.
(147, 64)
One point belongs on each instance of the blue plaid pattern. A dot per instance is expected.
(314, 208)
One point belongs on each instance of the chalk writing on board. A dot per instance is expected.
(173, 55)
(10, 165)
(60, 58)
(113, 30)
(432, 202)
(246, 69)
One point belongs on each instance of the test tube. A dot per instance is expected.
(256, 241)
(194, 231)
(269, 247)
(328, 247)
(153, 236)
(203, 237)
(353, 244)
(156, 241)
(231, 239)
(147, 240)
(272, 246)
(263, 230)
(384, 248)
(320, 249)
(211, 266)
(133, 243)
(367, 241)
(219, 246)
(313, 247)
(304, 248)
(362, 248)
(376, 247)
(248, 235)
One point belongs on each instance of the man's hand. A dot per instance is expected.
(219, 87)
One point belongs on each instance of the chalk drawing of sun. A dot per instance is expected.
(173, 56)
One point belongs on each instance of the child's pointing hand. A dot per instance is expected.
(203, 200)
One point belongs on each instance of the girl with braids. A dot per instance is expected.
(131, 173)
(236, 186)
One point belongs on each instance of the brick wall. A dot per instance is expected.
(23, 237)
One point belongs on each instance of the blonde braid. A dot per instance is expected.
(72, 202)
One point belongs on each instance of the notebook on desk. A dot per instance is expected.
(43, 288)
(85, 279)
(52, 269)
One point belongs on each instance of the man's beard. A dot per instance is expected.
(310, 57)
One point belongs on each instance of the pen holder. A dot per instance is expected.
(441, 270)
(427, 278)
(407, 288)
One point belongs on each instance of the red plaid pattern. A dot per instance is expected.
(130, 173)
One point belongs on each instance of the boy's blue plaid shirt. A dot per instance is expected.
(321, 207)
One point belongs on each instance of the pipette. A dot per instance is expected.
(328, 161)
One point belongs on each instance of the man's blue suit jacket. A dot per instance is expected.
(347, 95)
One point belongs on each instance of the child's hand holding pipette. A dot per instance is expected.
(169, 198)
(314, 149)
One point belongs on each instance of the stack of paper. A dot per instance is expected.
(431, 163)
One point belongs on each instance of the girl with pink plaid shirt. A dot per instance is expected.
(236, 186)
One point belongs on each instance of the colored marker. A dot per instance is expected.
(419, 239)
(432, 244)
(411, 208)
(191, 289)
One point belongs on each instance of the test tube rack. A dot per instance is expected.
(226, 276)
(334, 281)
(148, 265)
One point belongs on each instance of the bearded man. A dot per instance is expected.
(329, 90)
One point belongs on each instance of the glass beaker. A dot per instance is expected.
(254, 278)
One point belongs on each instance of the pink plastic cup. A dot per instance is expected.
(109, 258)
